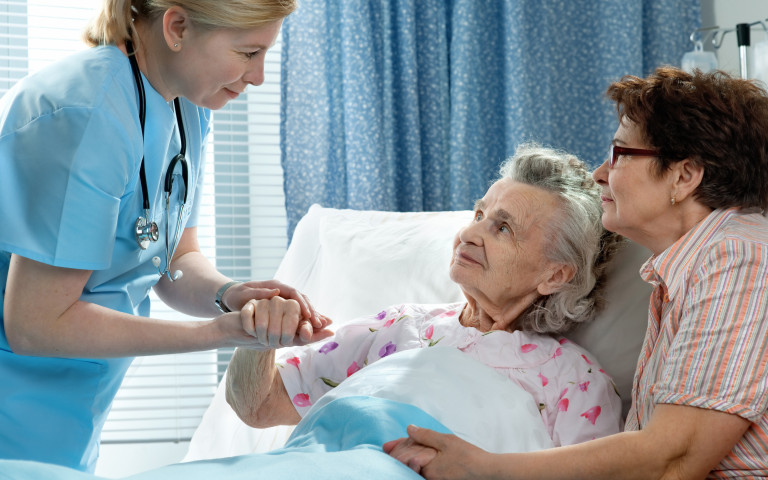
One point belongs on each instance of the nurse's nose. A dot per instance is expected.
(255, 76)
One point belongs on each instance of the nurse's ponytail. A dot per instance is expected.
(111, 25)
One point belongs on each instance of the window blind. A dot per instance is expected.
(242, 225)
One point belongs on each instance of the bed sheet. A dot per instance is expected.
(342, 434)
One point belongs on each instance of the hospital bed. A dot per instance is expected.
(352, 263)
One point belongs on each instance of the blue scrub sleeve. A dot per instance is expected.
(60, 191)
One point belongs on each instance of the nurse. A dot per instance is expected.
(88, 148)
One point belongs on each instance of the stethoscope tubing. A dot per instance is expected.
(147, 231)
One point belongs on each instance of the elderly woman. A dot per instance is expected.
(530, 266)
(687, 177)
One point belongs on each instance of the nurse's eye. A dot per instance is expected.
(250, 55)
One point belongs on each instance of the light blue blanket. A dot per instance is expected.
(341, 440)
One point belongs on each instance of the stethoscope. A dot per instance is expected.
(147, 231)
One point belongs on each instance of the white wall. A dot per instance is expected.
(727, 14)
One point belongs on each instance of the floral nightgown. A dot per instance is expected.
(576, 398)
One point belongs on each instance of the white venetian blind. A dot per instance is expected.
(241, 227)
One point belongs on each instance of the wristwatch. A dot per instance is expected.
(219, 304)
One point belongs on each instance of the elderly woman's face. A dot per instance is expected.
(633, 197)
(498, 259)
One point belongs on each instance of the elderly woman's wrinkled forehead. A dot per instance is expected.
(517, 203)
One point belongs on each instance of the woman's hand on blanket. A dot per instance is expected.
(278, 322)
(436, 455)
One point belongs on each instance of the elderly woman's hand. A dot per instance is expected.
(436, 455)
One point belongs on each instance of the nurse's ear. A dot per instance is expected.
(176, 25)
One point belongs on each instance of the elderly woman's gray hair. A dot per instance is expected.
(575, 237)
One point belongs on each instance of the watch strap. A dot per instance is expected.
(218, 302)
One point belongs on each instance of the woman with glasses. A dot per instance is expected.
(101, 160)
(687, 177)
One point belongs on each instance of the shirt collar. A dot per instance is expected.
(669, 266)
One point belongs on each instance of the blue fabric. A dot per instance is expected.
(341, 440)
(70, 150)
(412, 104)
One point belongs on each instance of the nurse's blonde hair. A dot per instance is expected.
(113, 22)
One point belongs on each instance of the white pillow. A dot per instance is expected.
(370, 260)
(474, 401)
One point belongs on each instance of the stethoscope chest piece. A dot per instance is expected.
(146, 232)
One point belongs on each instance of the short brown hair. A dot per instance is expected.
(717, 121)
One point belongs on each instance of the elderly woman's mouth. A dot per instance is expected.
(463, 257)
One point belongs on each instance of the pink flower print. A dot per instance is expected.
(389, 322)
(353, 368)
(563, 341)
(529, 347)
(562, 405)
(381, 315)
(448, 314)
(544, 380)
(294, 361)
(592, 414)
(301, 400)
(586, 359)
(328, 347)
(429, 331)
(583, 386)
(387, 349)
(558, 352)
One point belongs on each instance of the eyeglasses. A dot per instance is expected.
(615, 151)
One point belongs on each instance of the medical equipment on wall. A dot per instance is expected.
(754, 67)
(146, 230)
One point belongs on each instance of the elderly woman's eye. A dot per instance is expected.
(478, 216)
(505, 229)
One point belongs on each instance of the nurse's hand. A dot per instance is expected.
(237, 296)
(274, 323)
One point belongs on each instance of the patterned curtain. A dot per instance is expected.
(411, 105)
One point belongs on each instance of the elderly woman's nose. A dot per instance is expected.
(471, 234)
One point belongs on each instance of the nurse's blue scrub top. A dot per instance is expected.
(70, 152)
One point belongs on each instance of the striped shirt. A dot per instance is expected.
(706, 344)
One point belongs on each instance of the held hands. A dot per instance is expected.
(237, 296)
(436, 455)
(273, 321)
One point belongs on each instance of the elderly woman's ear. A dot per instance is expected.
(558, 276)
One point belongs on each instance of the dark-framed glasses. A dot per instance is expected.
(615, 151)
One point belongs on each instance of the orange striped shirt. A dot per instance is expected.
(707, 339)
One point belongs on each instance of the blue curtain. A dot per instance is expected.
(411, 105)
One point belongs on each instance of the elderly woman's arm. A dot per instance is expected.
(256, 392)
(680, 442)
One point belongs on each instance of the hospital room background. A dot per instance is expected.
(330, 127)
